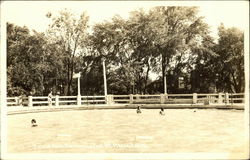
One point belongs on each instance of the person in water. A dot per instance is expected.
(33, 123)
(162, 112)
(138, 110)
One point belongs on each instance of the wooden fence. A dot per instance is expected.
(206, 99)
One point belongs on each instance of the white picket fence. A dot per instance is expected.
(206, 99)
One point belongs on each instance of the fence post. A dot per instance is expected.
(79, 100)
(57, 101)
(110, 99)
(30, 101)
(137, 96)
(162, 96)
(227, 98)
(220, 101)
(194, 98)
(131, 99)
(166, 96)
(17, 101)
(107, 99)
(21, 100)
(243, 100)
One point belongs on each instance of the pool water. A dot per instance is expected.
(124, 131)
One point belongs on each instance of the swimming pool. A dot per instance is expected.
(124, 131)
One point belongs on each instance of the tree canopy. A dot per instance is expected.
(165, 41)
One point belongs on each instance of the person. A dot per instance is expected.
(50, 98)
(33, 123)
(138, 111)
(162, 112)
(20, 100)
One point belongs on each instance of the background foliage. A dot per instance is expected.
(170, 41)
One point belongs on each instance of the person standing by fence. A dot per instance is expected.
(20, 100)
(50, 98)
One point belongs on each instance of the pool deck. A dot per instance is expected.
(21, 110)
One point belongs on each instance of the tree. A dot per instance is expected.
(137, 45)
(201, 66)
(141, 41)
(68, 33)
(169, 41)
(15, 38)
(230, 63)
(109, 41)
(127, 47)
(28, 61)
(175, 30)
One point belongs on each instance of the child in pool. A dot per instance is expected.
(33, 123)
(162, 112)
(138, 111)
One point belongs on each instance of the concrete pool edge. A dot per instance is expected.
(23, 110)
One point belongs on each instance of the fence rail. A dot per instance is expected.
(206, 99)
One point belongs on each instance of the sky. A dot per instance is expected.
(32, 13)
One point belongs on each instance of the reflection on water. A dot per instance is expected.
(124, 131)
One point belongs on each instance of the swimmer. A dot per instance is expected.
(33, 123)
(138, 110)
(162, 112)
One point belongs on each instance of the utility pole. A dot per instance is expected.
(79, 98)
(78, 76)
(104, 78)
(165, 84)
(79, 94)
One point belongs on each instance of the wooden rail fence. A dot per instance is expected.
(206, 99)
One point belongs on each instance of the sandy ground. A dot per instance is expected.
(124, 131)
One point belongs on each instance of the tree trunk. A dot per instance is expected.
(240, 79)
(146, 78)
